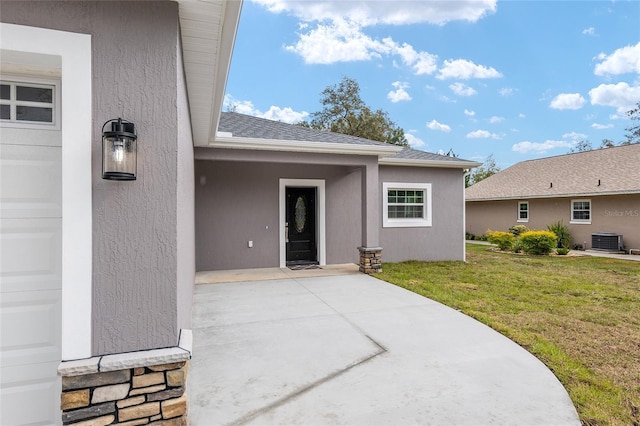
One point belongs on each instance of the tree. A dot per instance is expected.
(581, 146)
(607, 143)
(633, 135)
(488, 168)
(345, 112)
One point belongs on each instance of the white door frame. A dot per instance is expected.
(75, 52)
(321, 239)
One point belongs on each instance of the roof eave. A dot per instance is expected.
(412, 162)
(568, 195)
(222, 141)
(229, 30)
(208, 32)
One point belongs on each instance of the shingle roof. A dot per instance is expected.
(247, 126)
(598, 172)
(414, 154)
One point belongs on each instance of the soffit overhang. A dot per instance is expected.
(208, 30)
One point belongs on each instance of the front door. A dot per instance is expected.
(300, 226)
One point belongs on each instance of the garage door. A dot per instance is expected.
(31, 246)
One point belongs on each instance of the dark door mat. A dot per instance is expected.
(303, 267)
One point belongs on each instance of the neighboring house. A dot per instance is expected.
(592, 192)
(270, 193)
(97, 276)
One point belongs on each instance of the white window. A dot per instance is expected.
(523, 211)
(406, 204)
(581, 211)
(29, 103)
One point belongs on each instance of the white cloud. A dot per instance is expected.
(479, 134)
(400, 94)
(414, 141)
(495, 119)
(384, 12)
(463, 69)
(521, 115)
(621, 61)
(339, 41)
(567, 101)
(620, 96)
(601, 126)
(469, 113)
(589, 31)
(345, 41)
(421, 62)
(540, 147)
(286, 114)
(462, 89)
(575, 136)
(434, 125)
(506, 91)
(482, 134)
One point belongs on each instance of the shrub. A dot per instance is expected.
(516, 230)
(470, 236)
(538, 242)
(504, 240)
(562, 232)
(517, 246)
(562, 251)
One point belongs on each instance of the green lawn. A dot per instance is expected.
(578, 315)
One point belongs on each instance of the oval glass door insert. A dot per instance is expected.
(301, 214)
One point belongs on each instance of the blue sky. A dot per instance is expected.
(516, 79)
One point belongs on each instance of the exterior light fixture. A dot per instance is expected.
(119, 150)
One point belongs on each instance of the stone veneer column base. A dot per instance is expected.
(135, 388)
(370, 259)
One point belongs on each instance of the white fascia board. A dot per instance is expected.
(412, 162)
(303, 146)
(229, 29)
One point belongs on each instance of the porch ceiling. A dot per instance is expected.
(208, 29)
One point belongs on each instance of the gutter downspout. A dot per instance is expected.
(465, 173)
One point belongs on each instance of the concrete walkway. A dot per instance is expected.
(351, 349)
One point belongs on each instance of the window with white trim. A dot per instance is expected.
(406, 205)
(33, 103)
(581, 211)
(523, 211)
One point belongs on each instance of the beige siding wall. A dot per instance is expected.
(619, 214)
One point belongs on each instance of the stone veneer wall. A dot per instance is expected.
(370, 259)
(135, 396)
(133, 388)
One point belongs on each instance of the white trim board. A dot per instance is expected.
(74, 50)
(321, 214)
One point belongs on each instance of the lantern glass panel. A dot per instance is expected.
(119, 158)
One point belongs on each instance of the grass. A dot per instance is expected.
(578, 315)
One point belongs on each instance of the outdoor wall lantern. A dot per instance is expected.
(119, 150)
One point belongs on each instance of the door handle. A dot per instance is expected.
(286, 232)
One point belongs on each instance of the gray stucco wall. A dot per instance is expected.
(186, 255)
(444, 240)
(135, 224)
(619, 214)
(237, 202)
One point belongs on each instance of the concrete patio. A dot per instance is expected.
(346, 348)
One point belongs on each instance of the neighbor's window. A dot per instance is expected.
(28, 104)
(580, 211)
(406, 204)
(523, 211)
